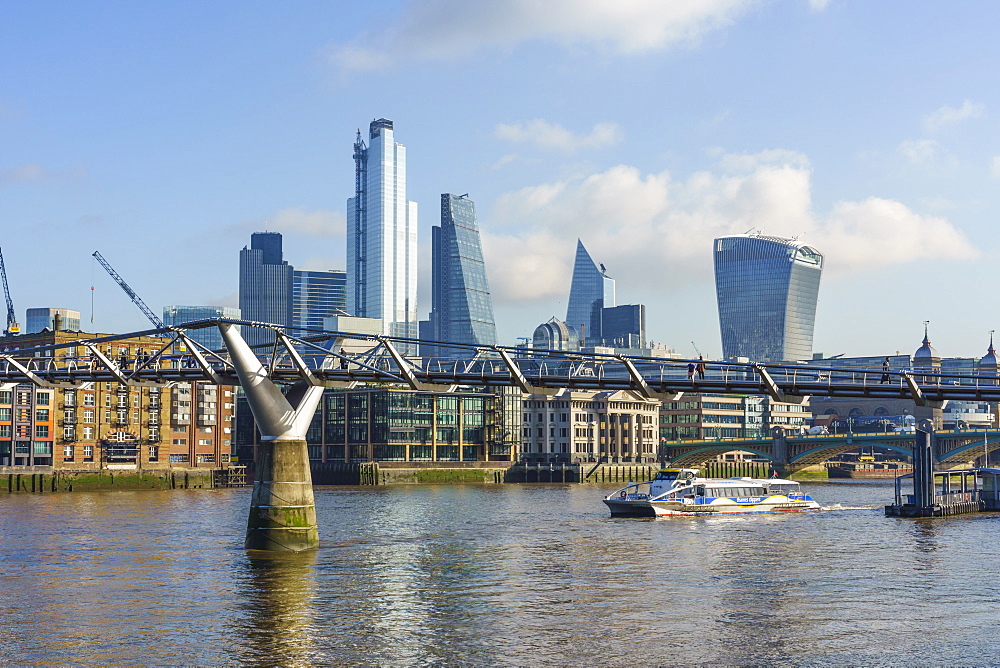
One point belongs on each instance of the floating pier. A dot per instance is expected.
(941, 493)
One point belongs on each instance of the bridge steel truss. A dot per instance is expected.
(954, 448)
(314, 357)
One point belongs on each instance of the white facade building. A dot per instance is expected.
(382, 235)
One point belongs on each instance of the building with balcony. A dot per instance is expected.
(716, 416)
(111, 425)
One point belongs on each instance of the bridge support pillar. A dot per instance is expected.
(282, 508)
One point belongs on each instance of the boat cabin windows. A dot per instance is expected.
(670, 475)
(785, 488)
(735, 492)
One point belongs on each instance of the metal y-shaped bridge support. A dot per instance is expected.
(282, 508)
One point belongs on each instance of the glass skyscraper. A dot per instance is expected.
(265, 286)
(382, 235)
(210, 337)
(590, 293)
(317, 295)
(767, 289)
(38, 319)
(461, 307)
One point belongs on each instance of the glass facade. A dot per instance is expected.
(590, 293)
(767, 289)
(461, 307)
(317, 295)
(38, 319)
(265, 286)
(210, 337)
(382, 235)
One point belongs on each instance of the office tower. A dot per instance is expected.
(37, 319)
(461, 308)
(265, 286)
(382, 235)
(317, 295)
(591, 292)
(624, 326)
(210, 337)
(767, 289)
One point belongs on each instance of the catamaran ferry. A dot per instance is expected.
(683, 492)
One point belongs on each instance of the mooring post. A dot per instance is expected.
(282, 507)
(923, 467)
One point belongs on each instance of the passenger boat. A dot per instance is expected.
(684, 492)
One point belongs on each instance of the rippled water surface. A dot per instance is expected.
(493, 575)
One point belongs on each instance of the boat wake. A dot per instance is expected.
(840, 506)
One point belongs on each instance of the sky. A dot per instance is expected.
(164, 134)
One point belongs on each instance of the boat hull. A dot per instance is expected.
(721, 506)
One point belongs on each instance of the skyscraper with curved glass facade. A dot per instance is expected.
(767, 289)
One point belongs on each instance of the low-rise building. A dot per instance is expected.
(589, 426)
(112, 425)
(388, 424)
(716, 416)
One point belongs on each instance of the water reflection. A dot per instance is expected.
(278, 623)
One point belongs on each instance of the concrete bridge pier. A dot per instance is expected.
(282, 508)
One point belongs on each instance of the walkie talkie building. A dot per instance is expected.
(767, 289)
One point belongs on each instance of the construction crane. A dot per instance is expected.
(696, 348)
(12, 325)
(129, 291)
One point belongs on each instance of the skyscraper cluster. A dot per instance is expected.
(767, 287)
(380, 281)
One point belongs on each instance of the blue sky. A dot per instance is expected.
(163, 134)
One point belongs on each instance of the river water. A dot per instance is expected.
(485, 575)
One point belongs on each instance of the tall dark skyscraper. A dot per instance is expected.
(767, 288)
(317, 295)
(265, 286)
(461, 307)
(590, 293)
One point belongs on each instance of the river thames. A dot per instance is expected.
(493, 575)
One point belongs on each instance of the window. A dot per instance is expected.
(206, 459)
(5, 414)
(43, 398)
(178, 459)
(88, 451)
(204, 441)
(88, 416)
(67, 452)
(180, 441)
(5, 397)
(41, 415)
(41, 431)
(88, 434)
(88, 400)
(154, 453)
(5, 430)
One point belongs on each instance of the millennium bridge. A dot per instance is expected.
(282, 512)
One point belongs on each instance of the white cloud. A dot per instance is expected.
(949, 115)
(818, 5)
(444, 29)
(919, 151)
(653, 230)
(553, 135)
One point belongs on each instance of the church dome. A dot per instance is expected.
(926, 351)
(989, 360)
